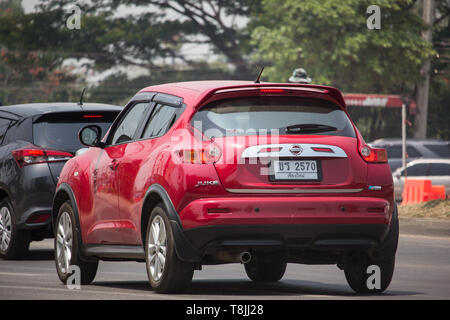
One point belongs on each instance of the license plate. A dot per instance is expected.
(295, 170)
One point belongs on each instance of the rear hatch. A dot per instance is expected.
(278, 144)
(59, 132)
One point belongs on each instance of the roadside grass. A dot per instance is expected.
(437, 209)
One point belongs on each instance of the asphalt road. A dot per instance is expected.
(422, 272)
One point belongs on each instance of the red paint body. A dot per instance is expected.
(110, 202)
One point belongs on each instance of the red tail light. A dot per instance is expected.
(373, 154)
(208, 154)
(33, 155)
(272, 91)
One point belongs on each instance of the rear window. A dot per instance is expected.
(272, 115)
(442, 150)
(60, 131)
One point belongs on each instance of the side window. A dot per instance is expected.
(127, 127)
(420, 169)
(4, 125)
(440, 169)
(412, 152)
(160, 121)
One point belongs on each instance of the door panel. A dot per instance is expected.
(107, 226)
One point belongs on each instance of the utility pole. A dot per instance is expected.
(424, 86)
(404, 136)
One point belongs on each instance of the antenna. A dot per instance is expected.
(259, 75)
(81, 98)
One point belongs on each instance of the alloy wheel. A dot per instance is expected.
(157, 248)
(64, 242)
(5, 228)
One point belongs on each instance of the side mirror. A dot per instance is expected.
(90, 135)
(398, 175)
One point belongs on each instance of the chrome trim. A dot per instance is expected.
(298, 191)
(254, 151)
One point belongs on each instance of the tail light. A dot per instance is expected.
(208, 154)
(373, 154)
(28, 156)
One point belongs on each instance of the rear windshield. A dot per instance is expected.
(272, 115)
(442, 150)
(60, 131)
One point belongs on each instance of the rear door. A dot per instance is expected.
(144, 156)
(283, 145)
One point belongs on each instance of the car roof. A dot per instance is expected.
(32, 109)
(422, 160)
(431, 160)
(197, 92)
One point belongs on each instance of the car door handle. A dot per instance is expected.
(114, 164)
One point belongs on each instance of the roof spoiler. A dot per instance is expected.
(333, 92)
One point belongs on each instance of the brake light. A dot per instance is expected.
(92, 116)
(208, 154)
(272, 91)
(28, 156)
(373, 154)
(322, 149)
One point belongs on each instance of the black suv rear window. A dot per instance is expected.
(272, 115)
(59, 131)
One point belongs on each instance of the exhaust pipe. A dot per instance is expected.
(245, 257)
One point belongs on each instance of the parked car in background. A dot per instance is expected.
(436, 170)
(214, 172)
(36, 140)
(415, 149)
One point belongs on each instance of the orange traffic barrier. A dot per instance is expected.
(437, 192)
(416, 191)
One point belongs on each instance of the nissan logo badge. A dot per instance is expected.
(296, 150)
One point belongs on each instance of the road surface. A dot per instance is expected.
(422, 272)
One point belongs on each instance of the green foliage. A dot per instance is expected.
(330, 39)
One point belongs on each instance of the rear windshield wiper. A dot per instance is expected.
(309, 128)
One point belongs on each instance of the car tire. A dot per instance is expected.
(355, 267)
(14, 243)
(265, 268)
(67, 251)
(166, 272)
(357, 273)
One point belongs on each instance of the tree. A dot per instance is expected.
(330, 39)
(27, 75)
(147, 35)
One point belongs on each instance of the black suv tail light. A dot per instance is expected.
(34, 155)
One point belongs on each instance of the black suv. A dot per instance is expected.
(35, 142)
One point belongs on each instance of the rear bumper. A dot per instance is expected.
(296, 226)
(308, 236)
(286, 210)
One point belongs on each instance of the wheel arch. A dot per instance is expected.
(157, 194)
(65, 193)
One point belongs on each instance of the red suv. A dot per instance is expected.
(212, 172)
